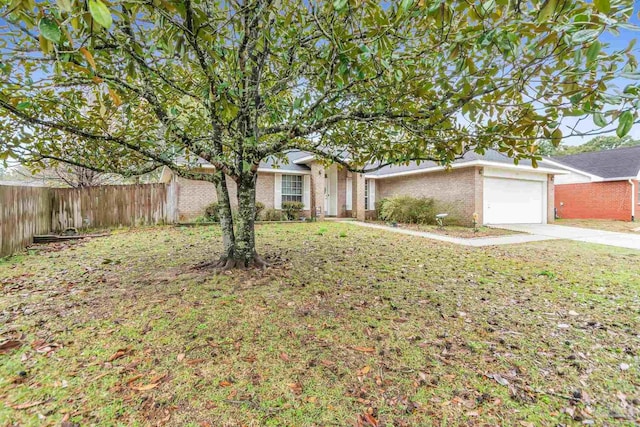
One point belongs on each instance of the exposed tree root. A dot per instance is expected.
(226, 263)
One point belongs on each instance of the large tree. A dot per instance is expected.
(126, 86)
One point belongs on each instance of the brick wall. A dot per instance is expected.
(194, 196)
(595, 200)
(459, 191)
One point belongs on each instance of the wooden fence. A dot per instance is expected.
(26, 211)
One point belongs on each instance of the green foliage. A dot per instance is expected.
(259, 208)
(412, 210)
(331, 67)
(212, 212)
(408, 210)
(292, 210)
(272, 215)
(599, 143)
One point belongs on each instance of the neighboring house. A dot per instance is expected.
(489, 185)
(600, 185)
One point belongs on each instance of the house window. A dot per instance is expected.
(366, 194)
(292, 188)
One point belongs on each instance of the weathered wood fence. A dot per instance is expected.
(26, 211)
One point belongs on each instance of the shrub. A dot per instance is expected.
(292, 209)
(272, 215)
(259, 209)
(211, 212)
(408, 210)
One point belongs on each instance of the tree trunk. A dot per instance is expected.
(239, 244)
(226, 217)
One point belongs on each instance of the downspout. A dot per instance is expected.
(633, 204)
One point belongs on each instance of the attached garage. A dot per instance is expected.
(511, 197)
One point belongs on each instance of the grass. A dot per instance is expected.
(601, 224)
(455, 230)
(350, 326)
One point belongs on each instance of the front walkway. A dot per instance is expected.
(477, 241)
(610, 238)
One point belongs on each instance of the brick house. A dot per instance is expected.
(599, 185)
(490, 185)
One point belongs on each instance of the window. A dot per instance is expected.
(366, 194)
(292, 188)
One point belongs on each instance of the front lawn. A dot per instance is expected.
(351, 326)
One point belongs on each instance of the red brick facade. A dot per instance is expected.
(596, 200)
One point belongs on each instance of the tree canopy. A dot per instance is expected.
(128, 86)
(599, 143)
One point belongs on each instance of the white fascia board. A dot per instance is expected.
(473, 163)
(304, 160)
(574, 170)
(283, 171)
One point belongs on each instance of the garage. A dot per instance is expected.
(514, 201)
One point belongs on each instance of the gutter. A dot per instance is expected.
(633, 205)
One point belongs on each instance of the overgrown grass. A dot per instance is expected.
(348, 322)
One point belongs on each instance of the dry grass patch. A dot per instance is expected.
(351, 327)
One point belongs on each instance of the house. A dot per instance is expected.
(599, 185)
(490, 185)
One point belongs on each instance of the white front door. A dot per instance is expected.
(513, 201)
(331, 191)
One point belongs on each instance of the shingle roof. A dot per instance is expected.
(292, 156)
(270, 163)
(616, 163)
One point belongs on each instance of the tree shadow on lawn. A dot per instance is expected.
(354, 326)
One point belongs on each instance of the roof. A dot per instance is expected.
(620, 163)
(287, 164)
(297, 161)
(490, 156)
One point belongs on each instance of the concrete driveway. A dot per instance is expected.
(610, 238)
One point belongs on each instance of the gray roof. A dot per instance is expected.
(489, 156)
(616, 163)
(288, 164)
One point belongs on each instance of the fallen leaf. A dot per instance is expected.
(195, 361)
(134, 378)
(365, 349)
(118, 354)
(224, 383)
(296, 388)
(7, 346)
(369, 418)
(28, 404)
(285, 357)
(365, 370)
(145, 387)
(180, 357)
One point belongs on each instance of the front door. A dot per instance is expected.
(331, 191)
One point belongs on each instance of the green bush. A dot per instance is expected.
(259, 209)
(408, 210)
(211, 212)
(292, 209)
(271, 215)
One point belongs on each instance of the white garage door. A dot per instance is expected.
(513, 201)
